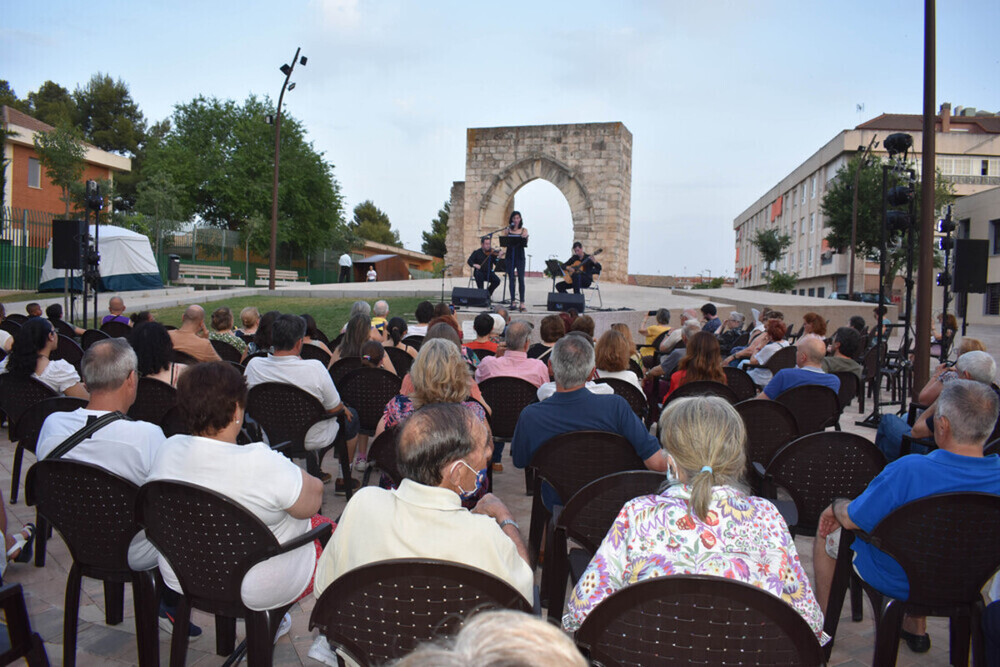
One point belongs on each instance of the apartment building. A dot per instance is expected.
(968, 154)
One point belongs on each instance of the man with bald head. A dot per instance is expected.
(809, 361)
(192, 337)
(116, 312)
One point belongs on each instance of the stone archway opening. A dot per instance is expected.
(549, 220)
(590, 164)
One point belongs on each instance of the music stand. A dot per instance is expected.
(555, 269)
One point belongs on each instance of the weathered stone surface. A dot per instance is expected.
(590, 163)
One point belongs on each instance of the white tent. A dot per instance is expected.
(127, 264)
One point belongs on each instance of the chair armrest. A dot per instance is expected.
(911, 415)
(321, 533)
(906, 447)
(281, 446)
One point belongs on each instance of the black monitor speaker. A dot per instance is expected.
(971, 260)
(470, 297)
(560, 302)
(67, 244)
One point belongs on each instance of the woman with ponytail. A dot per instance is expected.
(396, 331)
(29, 357)
(702, 522)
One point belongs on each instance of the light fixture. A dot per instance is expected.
(269, 119)
(291, 86)
(302, 61)
(285, 69)
(898, 143)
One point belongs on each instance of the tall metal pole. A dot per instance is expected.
(925, 268)
(273, 258)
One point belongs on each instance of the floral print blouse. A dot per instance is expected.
(743, 538)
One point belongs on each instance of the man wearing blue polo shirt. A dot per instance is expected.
(574, 408)
(809, 360)
(966, 413)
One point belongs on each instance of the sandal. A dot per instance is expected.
(23, 546)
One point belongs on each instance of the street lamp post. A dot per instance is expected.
(287, 71)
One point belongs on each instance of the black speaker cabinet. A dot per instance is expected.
(470, 297)
(560, 302)
(67, 244)
(971, 257)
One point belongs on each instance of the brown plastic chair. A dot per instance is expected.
(482, 354)
(10, 325)
(382, 455)
(17, 318)
(507, 397)
(64, 328)
(211, 542)
(184, 358)
(992, 448)
(29, 424)
(226, 351)
(636, 399)
(116, 329)
(570, 461)
(16, 396)
(948, 554)
(740, 382)
(380, 612)
(401, 360)
(153, 398)
(260, 354)
(586, 519)
(93, 511)
(696, 619)
(850, 388)
(634, 366)
(68, 350)
(342, 367)
(91, 336)
(815, 407)
(783, 358)
(701, 388)
(315, 352)
(414, 341)
(368, 390)
(22, 641)
(770, 426)
(286, 413)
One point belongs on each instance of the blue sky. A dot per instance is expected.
(723, 98)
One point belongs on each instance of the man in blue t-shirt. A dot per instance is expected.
(809, 359)
(966, 413)
(574, 408)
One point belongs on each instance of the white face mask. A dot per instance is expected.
(672, 477)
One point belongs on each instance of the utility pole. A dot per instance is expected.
(925, 265)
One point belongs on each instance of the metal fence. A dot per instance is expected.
(25, 236)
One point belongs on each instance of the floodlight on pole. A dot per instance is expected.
(272, 260)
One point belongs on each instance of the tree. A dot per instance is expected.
(61, 152)
(9, 98)
(220, 154)
(713, 283)
(838, 203)
(52, 104)
(434, 240)
(771, 246)
(372, 223)
(781, 282)
(108, 116)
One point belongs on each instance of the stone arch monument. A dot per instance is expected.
(590, 163)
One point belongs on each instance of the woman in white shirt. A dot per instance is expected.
(612, 355)
(212, 398)
(775, 331)
(29, 357)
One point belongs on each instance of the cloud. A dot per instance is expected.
(339, 15)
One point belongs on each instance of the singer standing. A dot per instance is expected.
(515, 258)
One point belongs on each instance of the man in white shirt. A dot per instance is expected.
(286, 366)
(125, 448)
(372, 274)
(424, 314)
(345, 268)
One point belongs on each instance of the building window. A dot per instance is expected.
(963, 166)
(814, 180)
(34, 173)
(812, 223)
(946, 165)
(812, 291)
(995, 236)
(821, 292)
(793, 229)
(984, 169)
(802, 254)
(991, 300)
(803, 201)
(810, 259)
(802, 226)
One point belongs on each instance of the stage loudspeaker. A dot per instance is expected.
(560, 302)
(470, 297)
(971, 258)
(67, 244)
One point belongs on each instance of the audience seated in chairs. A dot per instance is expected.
(964, 417)
(702, 361)
(155, 351)
(625, 331)
(263, 336)
(483, 325)
(424, 313)
(192, 336)
(772, 341)
(380, 313)
(710, 317)
(931, 390)
(731, 331)
(550, 330)
(574, 408)
(396, 331)
(809, 355)
(141, 317)
(54, 313)
(222, 323)
(813, 324)
(286, 366)
(444, 329)
(514, 361)
(6, 338)
(212, 398)
(701, 522)
(359, 330)
(249, 319)
(978, 366)
(116, 312)
(499, 639)
(443, 450)
(654, 331)
(612, 355)
(29, 357)
(846, 347)
(668, 362)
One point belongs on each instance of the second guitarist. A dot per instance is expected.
(580, 269)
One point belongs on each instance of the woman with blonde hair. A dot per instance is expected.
(612, 354)
(623, 329)
(702, 361)
(703, 521)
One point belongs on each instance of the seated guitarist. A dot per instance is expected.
(579, 270)
(484, 265)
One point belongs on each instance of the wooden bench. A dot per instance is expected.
(198, 274)
(282, 278)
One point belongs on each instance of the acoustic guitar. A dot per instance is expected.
(576, 266)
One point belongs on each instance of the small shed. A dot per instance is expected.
(388, 267)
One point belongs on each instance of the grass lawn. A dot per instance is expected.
(330, 314)
(7, 297)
